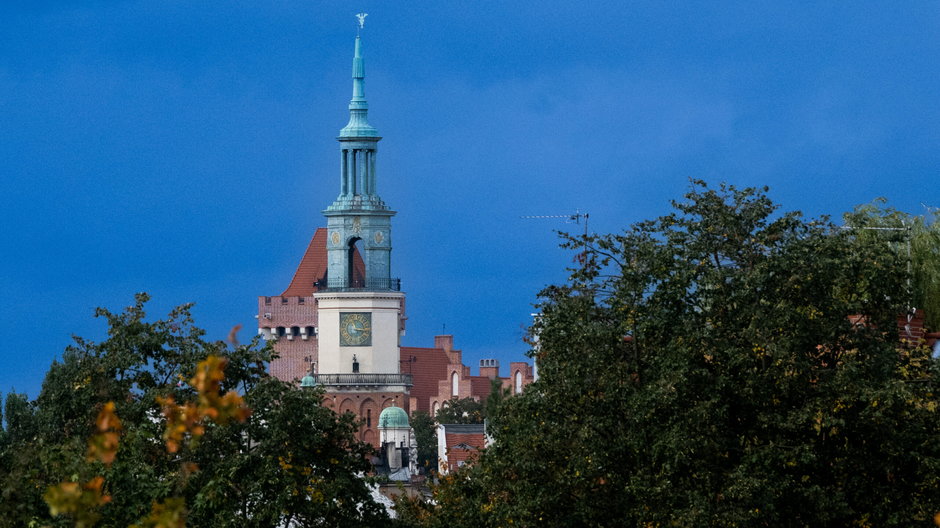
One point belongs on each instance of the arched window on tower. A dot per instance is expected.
(518, 382)
(355, 267)
(355, 365)
(454, 385)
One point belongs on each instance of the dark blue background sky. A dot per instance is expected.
(186, 148)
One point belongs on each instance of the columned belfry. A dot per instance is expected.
(358, 220)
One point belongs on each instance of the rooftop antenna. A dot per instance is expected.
(931, 210)
(907, 229)
(575, 218)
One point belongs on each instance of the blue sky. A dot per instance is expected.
(187, 148)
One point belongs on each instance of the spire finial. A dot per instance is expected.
(358, 125)
(362, 21)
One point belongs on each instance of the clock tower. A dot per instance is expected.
(359, 305)
(338, 324)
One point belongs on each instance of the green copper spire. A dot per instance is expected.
(358, 125)
(358, 221)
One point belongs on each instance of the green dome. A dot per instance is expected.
(392, 418)
(307, 381)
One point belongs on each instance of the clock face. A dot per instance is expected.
(355, 329)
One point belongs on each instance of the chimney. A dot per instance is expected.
(444, 341)
(489, 368)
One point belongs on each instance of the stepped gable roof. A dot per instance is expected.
(313, 266)
(429, 367)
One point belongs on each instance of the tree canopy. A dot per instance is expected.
(460, 411)
(291, 461)
(722, 365)
(916, 240)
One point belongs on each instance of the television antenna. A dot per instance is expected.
(569, 218)
(907, 230)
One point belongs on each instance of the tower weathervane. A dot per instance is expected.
(362, 19)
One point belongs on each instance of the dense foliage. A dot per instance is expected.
(292, 460)
(916, 240)
(460, 411)
(426, 436)
(709, 368)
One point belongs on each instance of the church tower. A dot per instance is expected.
(359, 305)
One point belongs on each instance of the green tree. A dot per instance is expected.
(426, 436)
(709, 368)
(291, 461)
(498, 394)
(460, 411)
(454, 411)
(916, 240)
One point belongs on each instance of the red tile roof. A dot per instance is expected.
(429, 367)
(313, 267)
(463, 447)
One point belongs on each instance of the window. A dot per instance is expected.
(369, 418)
(455, 386)
(355, 365)
(518, 382)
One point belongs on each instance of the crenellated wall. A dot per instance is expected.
(275, 311)
(292, 323)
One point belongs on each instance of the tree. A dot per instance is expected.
(498, 394)
(454, 411)
(426, 436)
(291, 461)
(916, 240)
(460, 411)
(723, 365)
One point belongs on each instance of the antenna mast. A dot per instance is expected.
(575, 218)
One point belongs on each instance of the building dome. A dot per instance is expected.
(307, 381)
(393, 418)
